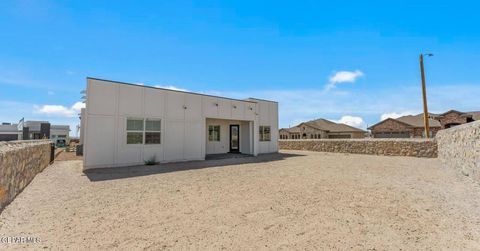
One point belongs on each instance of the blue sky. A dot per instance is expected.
(349, 61)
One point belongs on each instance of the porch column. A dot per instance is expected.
(255, 136)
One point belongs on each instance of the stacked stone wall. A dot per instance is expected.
(391, 147)
(459, 148)
(20, 161)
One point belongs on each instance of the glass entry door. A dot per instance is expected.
(234, 138)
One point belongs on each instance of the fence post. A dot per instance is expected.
(52, 153)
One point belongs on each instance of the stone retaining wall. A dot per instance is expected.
(391, 147)
(20, 161)
(459, 148)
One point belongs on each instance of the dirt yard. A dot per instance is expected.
(63, 156)
(292, 200)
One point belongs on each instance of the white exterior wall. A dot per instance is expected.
(183, 123)
(223, 146)
(267, 116)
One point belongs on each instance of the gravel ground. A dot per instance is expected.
(67, 156)
(292, 200)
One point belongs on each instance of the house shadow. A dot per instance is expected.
(113, 173)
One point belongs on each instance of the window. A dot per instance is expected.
(134, 131)
(264, 133)
(152, 131)
(213, 133)
(138, 129)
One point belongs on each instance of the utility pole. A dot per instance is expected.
(424, 92)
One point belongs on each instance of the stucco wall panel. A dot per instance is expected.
(174, 139)
(154, 102)
(250, 111)
(175, 106)
(238, 110)
(193, 111)
(101, 98)
(224, 108)
(194, 140)
(130, 101)
(101, 152)
(210, 106)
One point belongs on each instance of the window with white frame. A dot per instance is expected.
(152, 131)
(134, 131)
(143, 131)
(213, 133)
(264, 132)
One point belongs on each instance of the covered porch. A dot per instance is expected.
(229, 138)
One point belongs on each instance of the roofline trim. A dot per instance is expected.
(165, 89)
(266, 100)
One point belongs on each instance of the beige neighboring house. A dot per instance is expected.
(412, 126)
(321, 129)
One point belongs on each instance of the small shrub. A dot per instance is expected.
(151, 161)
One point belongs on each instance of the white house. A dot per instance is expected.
(127, 124)
(25, 130)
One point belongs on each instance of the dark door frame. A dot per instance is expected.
(238, 139)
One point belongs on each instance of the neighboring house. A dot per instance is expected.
(60, 134)
(321, 129)
(412, 126)
(9, 132)
(126, 124)
(25, 130)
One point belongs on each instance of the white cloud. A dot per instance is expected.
(171, 87)
(343, 77)
(69, 72)
(59, 110)
(352, 121)
(78, 106)
(51, 93)
(55, 110)
(395, 115)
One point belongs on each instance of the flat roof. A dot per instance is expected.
(195, 93)
(266, 100)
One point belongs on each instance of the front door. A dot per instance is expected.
(234, 138)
